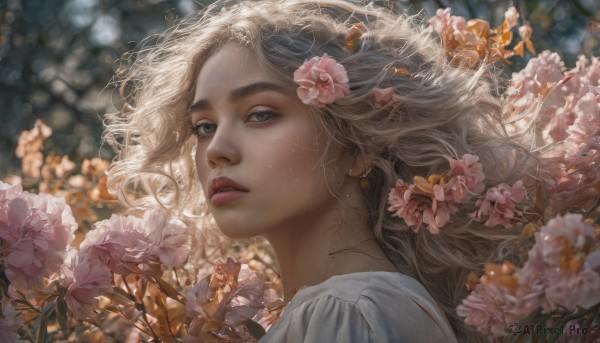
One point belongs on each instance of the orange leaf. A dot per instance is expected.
(170, 291)
(529, 46)
(479, 27)
(518, 49)
(529, 230)
(423, 185)
(472, 280)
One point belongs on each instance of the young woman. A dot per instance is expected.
(303, 116)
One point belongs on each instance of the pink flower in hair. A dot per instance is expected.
(499, 204)
(385, 98)
(417, 208)
(321, 81)
(465, 178)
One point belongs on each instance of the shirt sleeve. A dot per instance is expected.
(331, 319)
(324, 319)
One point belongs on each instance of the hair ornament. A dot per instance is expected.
(321, 81)
(354, 33)
(385, 98)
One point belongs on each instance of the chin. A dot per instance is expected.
(237, 233)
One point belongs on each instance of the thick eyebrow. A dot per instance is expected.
(240, 93)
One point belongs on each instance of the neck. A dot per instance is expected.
(324, 246)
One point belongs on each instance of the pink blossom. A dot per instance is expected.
(227, 299)
(246, 301)
(586, 123)
(572, 290)
(490, 308)
(416, 208)
(9, 324)
(539, 74)
(168, 239)
(499, 204)
(465, 178)
(321, 81)
(122, 242)
(560, 120)
(441, 20)
(572, 175)
(30, 147)
(86, 278)
(588, 70)
(196, 297)
(531, 295)
(511, 16)
(8, 192)
(452, 27)
(37, 230)
(570, 181)
(385, 98)
(561, 262)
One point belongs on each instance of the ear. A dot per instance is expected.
(361, 164)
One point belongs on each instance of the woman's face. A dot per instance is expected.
(260, 154)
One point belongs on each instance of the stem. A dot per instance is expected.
(589, 212)
(141, 307)
(176, 277)
(135, 324)
(24, 301)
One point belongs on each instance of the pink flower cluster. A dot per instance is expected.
(453, 26)
(563, 270)
(30, 148)
(566, 260)
(121, 245)
(225, 300)
(36, 230)
(417, 207)
(9, 324)
(490, 308)
(546, 80)
(499, 204)
(572, 175)
(570, 114)
(433, 201)
(321, 81)
(474, 40)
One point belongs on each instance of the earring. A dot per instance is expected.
(363, 181)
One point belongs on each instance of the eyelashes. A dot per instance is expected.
(261, 114)
(199, 130)
(204, 128)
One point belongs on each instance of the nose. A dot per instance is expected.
(223, 148)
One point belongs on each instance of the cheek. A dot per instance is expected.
(298, 167)
(201, 168)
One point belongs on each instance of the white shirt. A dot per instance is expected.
(362, 307)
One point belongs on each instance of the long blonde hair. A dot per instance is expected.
(445, 111)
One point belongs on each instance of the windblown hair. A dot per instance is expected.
(445, 111)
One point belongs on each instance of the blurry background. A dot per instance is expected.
(57, 57)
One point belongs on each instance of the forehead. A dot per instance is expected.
(230, 67)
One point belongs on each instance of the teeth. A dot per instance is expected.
(225, 189)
